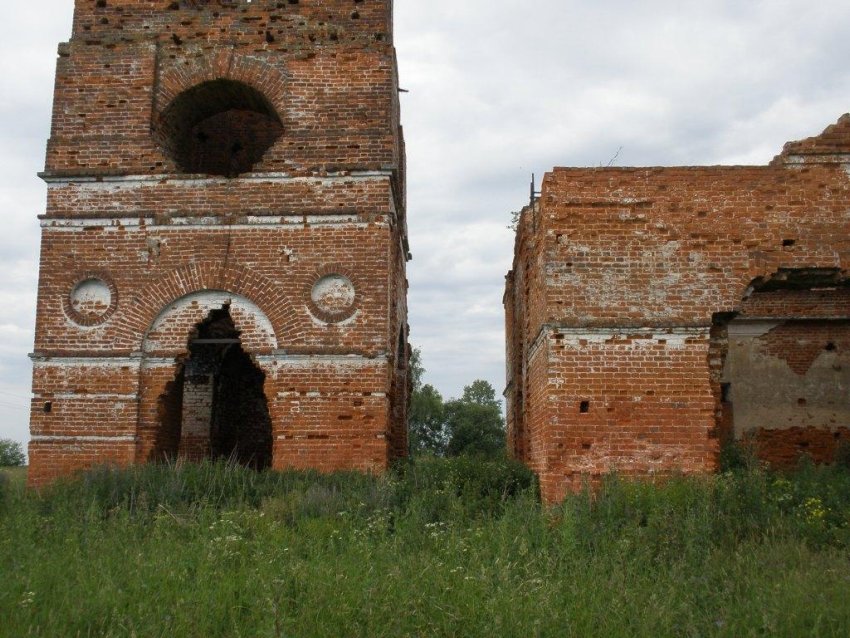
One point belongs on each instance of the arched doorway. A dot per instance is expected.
(216, 406)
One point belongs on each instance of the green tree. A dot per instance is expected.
(11, 453)
(480, 392)
(427, 422)
(426, 418)
(474, 422)
(415, 369)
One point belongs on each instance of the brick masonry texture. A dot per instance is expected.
(209, 163)
(652, 312)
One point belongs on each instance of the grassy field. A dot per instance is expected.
(440, 548)
(16, 477)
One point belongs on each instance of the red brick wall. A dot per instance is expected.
(523, 285)
(784, 448)
(645, 251)
(327, 198)
(634, 403)
(800, 343)
(329, 75)
(831, 303)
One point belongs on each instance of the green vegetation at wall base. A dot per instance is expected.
(438, 547)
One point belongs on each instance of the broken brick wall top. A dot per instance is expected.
(652, 311)
(324, 71)
(831, 146)
(672, 246)
(240, 20)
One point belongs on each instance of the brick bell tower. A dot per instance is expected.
(223, 253)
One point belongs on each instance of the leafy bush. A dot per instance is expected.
(474, 422)
(738, 455)
(463, 487)
(11, 453)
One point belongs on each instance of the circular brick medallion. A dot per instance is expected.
(91, 300)
(332, 298)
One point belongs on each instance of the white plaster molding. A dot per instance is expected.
(741, 328)
(88, 395)
(129, 438)
(72, 361)
(245, 314)
(107, 182)
(205, 223)
(306, 360)
(675, 336)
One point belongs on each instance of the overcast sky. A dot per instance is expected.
(498, 89)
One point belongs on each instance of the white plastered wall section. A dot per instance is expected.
(170, 331)
(767, 394)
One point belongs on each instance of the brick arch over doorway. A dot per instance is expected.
(211, 275)
(170, 309)
(168, 333)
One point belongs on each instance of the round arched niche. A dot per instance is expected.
(219, 127)
(333, 297)
(91, 300)
(170, 332)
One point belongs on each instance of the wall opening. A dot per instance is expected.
(401, 351)
(220, 127)
(169, 417)
(782, 367)
(216, 406)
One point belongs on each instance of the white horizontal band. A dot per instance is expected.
(130, 181)
(86, 395)
(205, 223)
(275, 358)
(44, 438)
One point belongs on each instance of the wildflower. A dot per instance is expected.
(813, 510)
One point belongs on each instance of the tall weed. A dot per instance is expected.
(437, 547)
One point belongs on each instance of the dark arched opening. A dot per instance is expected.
(240, 427)
(220, 127)
(216, 406)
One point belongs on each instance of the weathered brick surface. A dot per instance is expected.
(801, 343)
(210, 155)
(329, 75)
(783, 448)
(623, 283)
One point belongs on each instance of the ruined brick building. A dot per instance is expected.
(224, 247)
(653, 312)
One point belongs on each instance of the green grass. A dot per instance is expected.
(16, 477)
(439, 548)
